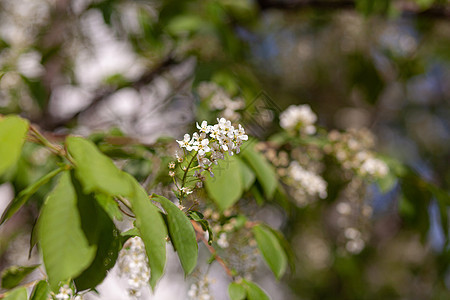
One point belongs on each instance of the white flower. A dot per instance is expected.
(310, 183)
(222, 241)
(186, 190)
(374, 167)
(204, 127)
(300, 118)
(64, 292)
(200, 290)
(240, 133)
(133, 264)
(202, 147)
(186, 142)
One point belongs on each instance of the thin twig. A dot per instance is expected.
(199, 231)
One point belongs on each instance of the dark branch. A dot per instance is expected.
(408, 9)
(102, 94)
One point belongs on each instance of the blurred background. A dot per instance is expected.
(85, 66)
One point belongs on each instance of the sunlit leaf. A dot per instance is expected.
(182, 234)
(41, 291)
(152, 230)
(226, 187)
(25, 194)
(12, 136)
(12, 276)
(96, 171)
(271, 250)
(236, 291)
(17, 294)
(64, 246)
(254, 291)
(263, 170)
(247, 174)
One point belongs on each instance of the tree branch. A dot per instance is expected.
(146, 78)
(406, 9)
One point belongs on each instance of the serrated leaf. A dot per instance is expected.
(17, 294)
(101, 232)
(12, 276)
(64, 246)
(25, 194)
(41, 291)
(263, 170)
(236, 291)
(271, 250)
(226, 187)
(182, 234)
(13, 131)
(96, 171)
(254, 291)
(152, 230)
(247, 175)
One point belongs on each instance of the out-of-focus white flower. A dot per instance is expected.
(200, 290)
(133, 265)
(299, 118)
(308, 182)
(223, 241)
(220, 100)
(374, 167)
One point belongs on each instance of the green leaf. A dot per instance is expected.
(96, 171)
(226, 187)
(13, 131)
(110, 206)
(263, 169)
(40, 291)
(185, 23)
(152, 230)
(181, 233)
(25, 194)
(199, 218)
(64, 246)
(286, 247)
(12, 276)
(17, 294)
(271, 250)
(254, 292)
(247, 175)
(236, 291)
(101, 232)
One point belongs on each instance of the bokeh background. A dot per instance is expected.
(86, 66)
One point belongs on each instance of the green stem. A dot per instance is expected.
(183, 181)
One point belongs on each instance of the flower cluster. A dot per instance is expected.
(200, 290)
(65, 292)
(299, 118)
(213, 141)
(133, 265)
(307, 182)
(353, 216)
(352, 151)
(219, 100)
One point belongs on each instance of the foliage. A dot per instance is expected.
(304, 197)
